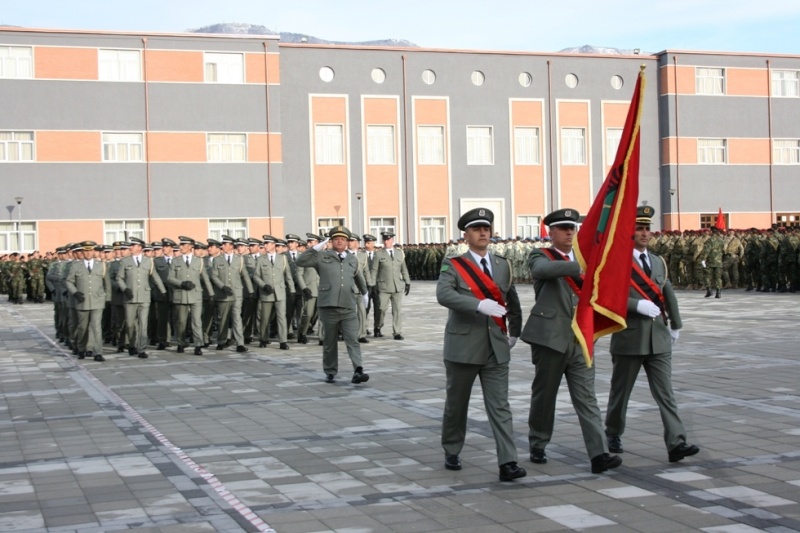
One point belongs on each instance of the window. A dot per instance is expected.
(525, 79)
(788, 219)
(325, 224)
(380, 145)
(329, 144)
(709, 80)
(16, 146)
(711, 151)
(227, 147)
(786, 151)
(709, 220)
(378, 225)
(16, 62)
(785, 83)
(526, 146)
(430, 145)
(432, 229)
(119, 65)
(528, 226)
(224, 68)
(12, 232)
(378, 75)
(617, 82)
(428, 77)
(122, 147)
(326, 74)
(235, 227)
(478, 78)
(122, 230)
(571, 80)
(613, 136)
(573, 150)
(479, 145)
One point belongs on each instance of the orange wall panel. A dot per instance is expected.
(65, 63)
(160, 228)
(573, 114)
(380, 111)
(433, 190)
(273, 226)
(614, 114)
(55, 233)
(254, 68)
(750, 220)
(328, 110)
(170, 65)
(68, 146)
(383, 194)
(176, 147)
(330, 181)
(746, 82)
(430, 111)
(526, 113)
(529, 190)
(748, 151)
(688, 151)
(685, 81)
(575, 188)
(257, 147)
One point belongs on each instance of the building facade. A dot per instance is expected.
(108, 135)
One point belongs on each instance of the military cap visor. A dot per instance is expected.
(280, 242)
(562, 217)
(213, 242)
(644, 214)
(339, 231)
(369, 238)
(313, 236)
(479, 216)
(136, 240)
(168, 242)
(269, 238)
(228, 239)
(386, 235)
(185, 240)
(292, 237)
(156, 245)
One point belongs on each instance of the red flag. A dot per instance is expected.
(542, 229)
(720, 223)
(604, 245)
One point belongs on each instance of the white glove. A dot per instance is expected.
(365, 299)
(511, 342)
(674, 333)
(491, 308)
(703, 263)
(647, 308)
(321, 245)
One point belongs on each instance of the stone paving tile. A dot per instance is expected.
(130, 444)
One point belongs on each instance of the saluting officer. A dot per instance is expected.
(338, 271)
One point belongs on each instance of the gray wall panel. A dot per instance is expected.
(730, 116)
(207, 107)
(72, 105)
(75, 190)
(706, 188)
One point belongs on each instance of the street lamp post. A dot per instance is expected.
(19, 223)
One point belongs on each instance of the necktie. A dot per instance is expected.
(229, 259)
(89, 266)
(169, 261)
(292, 257)
(486, 268)
(139, 261)
(645, 266)
(271, 260)
(187, 260)
(342, 256)
(391, 254)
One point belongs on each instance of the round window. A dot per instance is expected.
(571, 80)
(326, 74)
(378, 75)
(525, 79)
(428, 77)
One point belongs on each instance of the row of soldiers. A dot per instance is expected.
(133, 294)
(765, 260)
(22, 275)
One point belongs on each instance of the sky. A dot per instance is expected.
(767, 26)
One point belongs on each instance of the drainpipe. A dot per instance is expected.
(677, 142)
(269, 155)
(147, 134)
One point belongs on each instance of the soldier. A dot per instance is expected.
(311, 282)
(363, 265)
(186, 275)
(85, 282)
(734, 251)
(36, 272)
(711, 259)
(163, 302)
(250, 312)
(209, 298)
(678, 251)
(787, 260)
(554, 350)
(752, 257)
(294, 302)
(273, 277)
(478, 290)
(374, 302)
(53, 281)
(653, 325)
(230, 278)
(337, 271)
(16, 275)
(769, 261)
(390, 274)
(133, 278)
(119, 332)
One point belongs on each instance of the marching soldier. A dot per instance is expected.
(209, 298)
(734, 251)
(711, 259)
(250, 303)
(363, 265)
(85, 282)
(273, 277)
(310, 293)
(187, 275)
(374, 294)
(391, 277)
(163, 263)
(294, 302)
(133, 278)
(230, 278)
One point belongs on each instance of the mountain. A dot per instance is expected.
(589, 49)
(238, 28)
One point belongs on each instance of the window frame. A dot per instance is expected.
(118, 63)
(385, 224)
(535, 148)
(215, 150)
(217, 227)
(567, 148)
(321, 148)
(7, 144)
(705, 82)
(137, 229)
(225, 73)
(10, 58)
(781, 83)
(475, 153)
(428, 224)
(704, 151)
(325, 224)
(10, 231)
(532, 222)
(426, 155)
(107, 144)
(792, 152)
(386, 145)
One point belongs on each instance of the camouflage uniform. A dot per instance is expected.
(787, 261)
(734, 251)
(16, 286)
(36, 273)
(713, 251)
(677, 252)
(769, 262)
(752, 259)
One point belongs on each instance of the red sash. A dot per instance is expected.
(647, 288)
(481, 285)
(575, 282)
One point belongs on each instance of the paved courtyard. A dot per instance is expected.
(257, 441)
